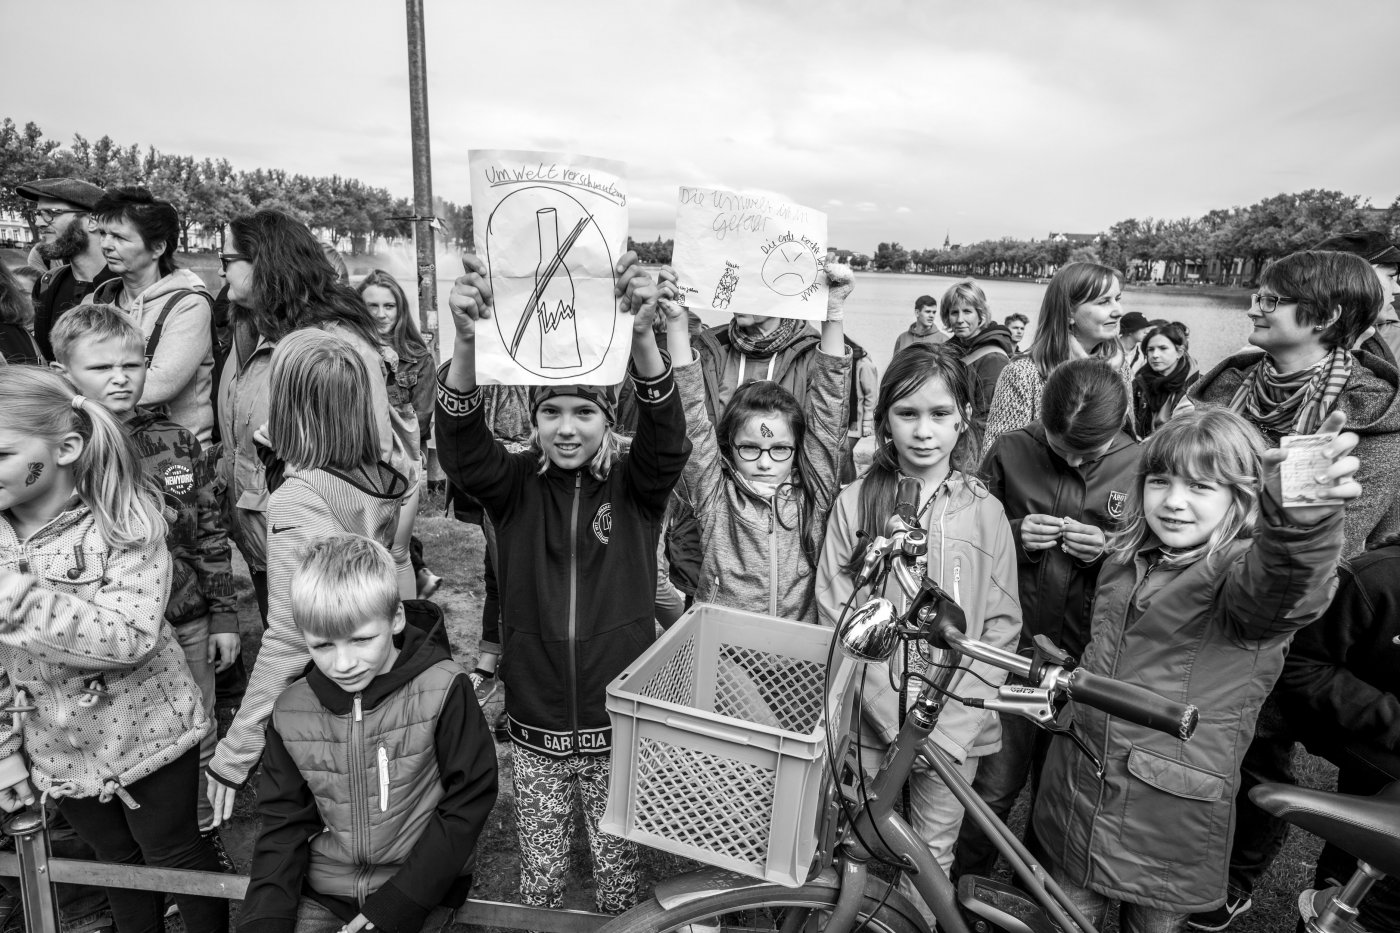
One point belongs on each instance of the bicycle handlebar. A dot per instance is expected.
(1114, 697)
(1133, 703)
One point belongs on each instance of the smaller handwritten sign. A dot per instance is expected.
(750, 254)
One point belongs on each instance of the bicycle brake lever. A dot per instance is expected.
(1057, 727)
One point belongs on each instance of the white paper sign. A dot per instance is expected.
(1306, 461)
(750, 254)
(550, 228)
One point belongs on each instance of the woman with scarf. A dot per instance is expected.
(1309, 309)
(984, 346)
(1161, 383)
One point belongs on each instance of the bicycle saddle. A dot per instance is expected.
(1366, 827)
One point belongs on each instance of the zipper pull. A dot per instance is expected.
(358, 717)
(383, 779)
(957, 580)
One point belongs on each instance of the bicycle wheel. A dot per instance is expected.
(774, 908)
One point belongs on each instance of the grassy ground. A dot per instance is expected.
(454, 551)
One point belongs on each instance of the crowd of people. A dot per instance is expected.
(1094, 487)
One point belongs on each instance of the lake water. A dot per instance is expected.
(882, 306)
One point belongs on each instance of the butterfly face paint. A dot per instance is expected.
(36, 470)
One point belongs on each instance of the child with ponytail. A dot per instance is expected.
(923, 420)
(103, 715)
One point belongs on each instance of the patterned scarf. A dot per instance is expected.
(766, 345)
(1296, 403)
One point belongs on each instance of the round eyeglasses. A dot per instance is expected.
(778, 453)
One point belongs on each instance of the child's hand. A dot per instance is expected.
(1040, 532)
(223, 650)
(221, 799)
(470, 298)
(260, 436)
(17, 796)
(1340, 477)
(636, 292)
(361, 922)
(1083, 542)
(840, 281)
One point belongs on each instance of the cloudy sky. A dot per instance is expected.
(902, 120)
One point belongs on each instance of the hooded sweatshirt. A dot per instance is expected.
(986, 354)
(180, 377)
(971, 555)
(1371, 401)
(309, 505)
(727, 367)
(754, 552)
(419, 822)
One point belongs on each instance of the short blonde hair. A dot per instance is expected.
(93, 322)
(322, 408)
(343, 582)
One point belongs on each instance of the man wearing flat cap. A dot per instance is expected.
(72, 254)
(1384, 257)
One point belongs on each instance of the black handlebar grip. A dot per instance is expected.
(1133, 703)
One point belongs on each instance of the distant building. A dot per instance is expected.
(1076, 239)
(14, 231)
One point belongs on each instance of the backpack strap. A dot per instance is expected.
(154, 340)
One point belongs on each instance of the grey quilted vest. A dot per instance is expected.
(374, 775)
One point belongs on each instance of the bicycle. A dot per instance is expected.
(842, 896)
(1365, 827)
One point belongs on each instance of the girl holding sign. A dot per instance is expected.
(762, 483)
(576, 524)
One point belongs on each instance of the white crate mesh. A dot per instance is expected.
(769, 689)
(675, 683)
(708, 801)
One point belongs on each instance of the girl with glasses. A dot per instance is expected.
(761, 484)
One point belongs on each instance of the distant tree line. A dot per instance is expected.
(208, 192)
(1226, 246)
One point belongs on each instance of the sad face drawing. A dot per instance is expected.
(789, 269)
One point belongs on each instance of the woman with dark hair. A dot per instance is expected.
(1309, 310)
(279, 281)
(139, 235)
(1064, 482)
(1078, 318)
(984, 345)
(1162, 382)
(17, 345)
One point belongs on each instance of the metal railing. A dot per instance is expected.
(38, 872)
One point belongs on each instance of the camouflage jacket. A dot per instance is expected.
(201, 580)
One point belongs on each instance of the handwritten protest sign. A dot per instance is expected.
(550, 228)
(750, 254)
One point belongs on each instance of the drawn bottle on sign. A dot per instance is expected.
(554, 309)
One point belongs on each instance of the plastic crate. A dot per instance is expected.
(719, 743)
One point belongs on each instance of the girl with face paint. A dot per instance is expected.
(761, 482)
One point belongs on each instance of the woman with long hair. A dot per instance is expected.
(1168, 372)
(1078, 318)
(280, 281)
(16, 317)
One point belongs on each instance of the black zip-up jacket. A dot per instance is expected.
(465, 757)
(1057, 590)
(576, 561)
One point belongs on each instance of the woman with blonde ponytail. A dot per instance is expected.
(112, 720)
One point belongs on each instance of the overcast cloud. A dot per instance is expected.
(901, 120)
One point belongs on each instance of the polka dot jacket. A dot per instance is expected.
(81, 622)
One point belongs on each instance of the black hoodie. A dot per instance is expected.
(466, 762)
(986, 354)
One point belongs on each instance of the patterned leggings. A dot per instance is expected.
(546, 790)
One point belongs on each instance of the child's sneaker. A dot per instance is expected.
(1212, 921)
